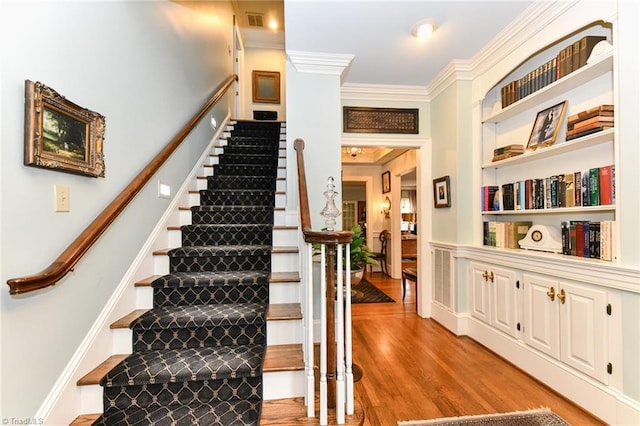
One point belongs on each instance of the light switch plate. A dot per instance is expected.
(62, 201)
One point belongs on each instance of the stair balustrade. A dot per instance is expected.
(336, 390)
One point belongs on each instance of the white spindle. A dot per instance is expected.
(308, 318)
(348, 337)
(339, 330)
(323, 338)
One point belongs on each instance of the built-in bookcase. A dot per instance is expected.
(584, 88)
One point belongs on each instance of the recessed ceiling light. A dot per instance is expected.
(423, 29)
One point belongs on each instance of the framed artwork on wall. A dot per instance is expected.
(441, 192)
(266, 87)
(386, 182)
(61, 135)
(546, 127)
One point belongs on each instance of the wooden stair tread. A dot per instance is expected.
(146, 282)
(127, 319)
(283, 358)
(284, 277)
(85, 419)
(283, 311)
(94, 376)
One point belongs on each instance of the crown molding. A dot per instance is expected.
(263, 45)
(380, 92)
(456, 70)
(531, 22)
(319, 63)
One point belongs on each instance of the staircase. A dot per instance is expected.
(200, 355)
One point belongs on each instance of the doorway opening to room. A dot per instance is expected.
(381, 193)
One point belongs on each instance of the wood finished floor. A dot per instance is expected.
(416, 369)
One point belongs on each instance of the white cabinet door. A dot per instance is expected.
(541, 314)
(493, 297)
(582, 329)
(480, 294)
(503, 300)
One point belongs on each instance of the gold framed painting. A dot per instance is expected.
(266, 87)
(61, 135)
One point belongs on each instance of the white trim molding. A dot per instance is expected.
(456, 70)
(382, 92)
(319, 63)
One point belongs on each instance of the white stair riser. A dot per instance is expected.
(285, 237)
(284, 293)
(91, 399)
(283, 384)
(144, 297)
(121, 340)
(284, 332)
(285, 262)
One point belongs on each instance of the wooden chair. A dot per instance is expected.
(381, 256)
(408, 274)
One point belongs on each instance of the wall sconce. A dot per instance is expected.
(386, 207)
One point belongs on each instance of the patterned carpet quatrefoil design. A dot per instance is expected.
(198, 354)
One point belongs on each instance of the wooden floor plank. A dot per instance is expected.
(414, 368)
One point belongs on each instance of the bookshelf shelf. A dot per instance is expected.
(561, 210)
(548, 93)
(604, 136)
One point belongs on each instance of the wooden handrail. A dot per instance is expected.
(74, 252)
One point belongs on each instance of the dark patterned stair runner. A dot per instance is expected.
(198, 354)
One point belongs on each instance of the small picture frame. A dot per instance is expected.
(386, 182)
(546, 127)
(441, 192)
(266, 87)
(61, 135)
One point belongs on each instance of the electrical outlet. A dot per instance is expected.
(62, 201)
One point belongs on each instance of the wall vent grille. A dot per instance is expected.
(442, 277)
(255, 20)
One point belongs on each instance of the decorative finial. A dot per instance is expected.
(330, 211)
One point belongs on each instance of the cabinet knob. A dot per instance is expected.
(561, 296)
(551, 293)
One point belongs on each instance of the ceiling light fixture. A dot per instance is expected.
(353, 151)
(423, 29)
(273, 24)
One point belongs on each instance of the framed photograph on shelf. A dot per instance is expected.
(386, 182)
(441, 192)
(266, 87)
(61, 135)
(546, 127)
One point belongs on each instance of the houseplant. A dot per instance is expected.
(360, 255)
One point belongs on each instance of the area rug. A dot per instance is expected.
(539, 417)
(365, 292)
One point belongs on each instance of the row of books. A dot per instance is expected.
(569, 59)
(505, 234)
(595, 240)
(593, 187)
(590, 121)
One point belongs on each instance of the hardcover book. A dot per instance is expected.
(606, 186)
(586, 46)
(594, 187)
(569, 190)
